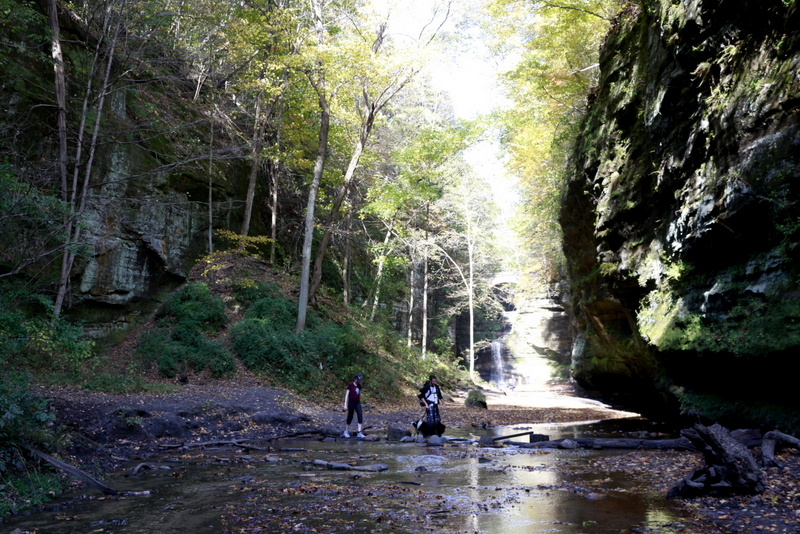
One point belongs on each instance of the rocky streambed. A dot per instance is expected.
(256, 459)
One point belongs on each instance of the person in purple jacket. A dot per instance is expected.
(352, 403)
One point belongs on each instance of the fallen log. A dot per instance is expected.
(679, 444)
(235, 443)
(321, 432)
(74, 471)
(730, 467)
(772, 440)
(141, 466)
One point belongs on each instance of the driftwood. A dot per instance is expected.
(74, 471)
(770, 441)
(320, 432)
(730, 467)
(347, 467)
(680, 444)
(139, 467)
(235, 443)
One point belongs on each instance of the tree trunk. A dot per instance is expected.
(379, 275)
(319, 167)
(346, 263)
(61, 104)
(275, 176)
(258, 145)
(78, 197)
(680, 444)
(425, 303)
(337, 204)
(61, 95)
(211, 191)
(410, 315)
(471, 289)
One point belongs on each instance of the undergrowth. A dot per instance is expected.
(25, 424)
(324, 356)
(182, 341)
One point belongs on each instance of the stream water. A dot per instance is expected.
(458, 487)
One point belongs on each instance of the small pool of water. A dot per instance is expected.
(453, 488)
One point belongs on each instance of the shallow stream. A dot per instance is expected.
(458, 487)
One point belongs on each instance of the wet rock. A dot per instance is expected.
(475, 399)
(568, 444)
(278, 419)
(168, 425)
(396, 434)
(435, 440)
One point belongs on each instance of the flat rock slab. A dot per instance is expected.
(347, 467)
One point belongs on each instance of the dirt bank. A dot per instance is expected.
(123, 425)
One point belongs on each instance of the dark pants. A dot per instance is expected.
(432, 416)
(354, 407)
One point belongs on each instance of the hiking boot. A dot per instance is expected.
(359, 435)
(346, 434)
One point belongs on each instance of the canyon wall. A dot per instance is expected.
(680, 218)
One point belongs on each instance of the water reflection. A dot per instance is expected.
(464, 488)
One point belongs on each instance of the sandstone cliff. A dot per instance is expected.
(680, 218)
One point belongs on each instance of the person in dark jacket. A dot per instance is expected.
(352, 403)
(431, 397)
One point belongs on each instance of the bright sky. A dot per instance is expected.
(471, 78)
(467, 73)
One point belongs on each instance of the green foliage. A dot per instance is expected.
(28, 489)
(251, 244)
(23, 420)
(128, 416)
(120, 384)
(32, 222)
(180, 342)
(182, 349)
(732, 411)
(248, 291)
(754, 326)
(558, 48)
(24, 30)
(266, 343)
(196, 308)
(30, 339)
(25, 423)
(56, 346)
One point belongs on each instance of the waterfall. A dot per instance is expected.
(496, 375)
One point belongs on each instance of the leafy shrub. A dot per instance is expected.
(266, 343)
(179, 349)
(248, 291)
(274, 312)
(56, 345)
(269, 350)
(195, 307)
(41, 344)
(13, 336)
(29, 489)
(180, 343)
(24, 423)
